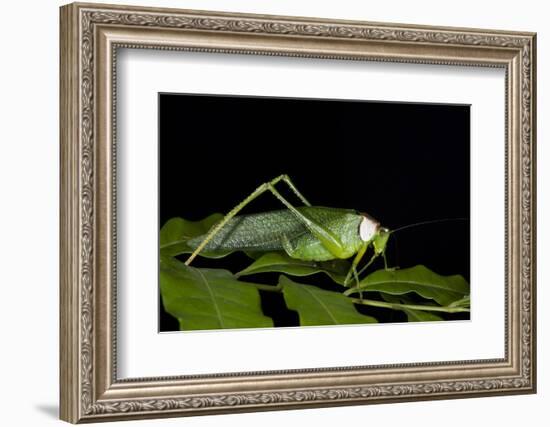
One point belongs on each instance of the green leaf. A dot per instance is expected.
(412, 315)
(281, 263)
(317, 306)
(209, 298)
(442, 289)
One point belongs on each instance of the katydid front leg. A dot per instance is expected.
(368, 264)
(331, 242)
(353, 269)
(379, 249)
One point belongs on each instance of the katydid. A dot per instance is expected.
(308, 233)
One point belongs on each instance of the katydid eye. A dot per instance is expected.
(367, 228)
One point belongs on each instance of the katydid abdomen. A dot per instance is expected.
(280, 230)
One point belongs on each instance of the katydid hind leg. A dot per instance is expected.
(216, 229)
(329, 241)
(295, 190)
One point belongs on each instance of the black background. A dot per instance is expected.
(400, 162)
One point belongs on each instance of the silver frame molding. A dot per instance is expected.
(90, 36)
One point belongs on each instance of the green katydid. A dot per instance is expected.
(309, 233)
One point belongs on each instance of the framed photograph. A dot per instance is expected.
(267, 212)
(395, 179)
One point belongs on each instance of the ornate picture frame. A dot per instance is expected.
(90, 37)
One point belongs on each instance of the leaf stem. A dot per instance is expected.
(395, 306)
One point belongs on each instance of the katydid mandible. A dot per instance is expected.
(308, 233)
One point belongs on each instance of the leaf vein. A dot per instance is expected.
(212, 297)
(322, 305)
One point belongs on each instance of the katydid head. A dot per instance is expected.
(380, 241)
(368, 228)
